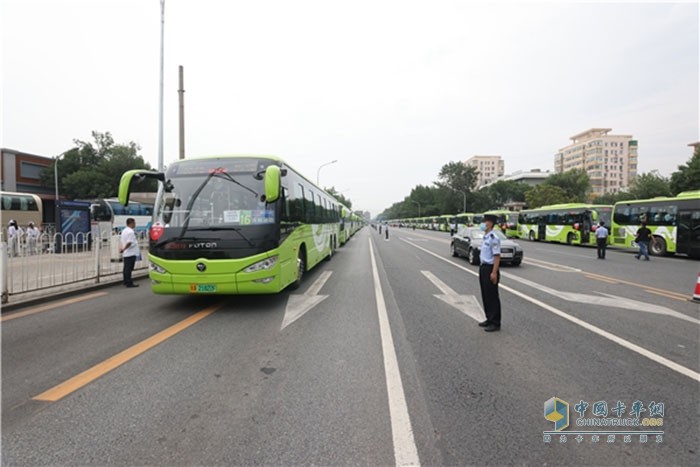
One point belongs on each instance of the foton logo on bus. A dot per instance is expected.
(204, 245)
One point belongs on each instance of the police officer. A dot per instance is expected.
(489, 275)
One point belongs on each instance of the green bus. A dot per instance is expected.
(674, 223)
(507, 222)
(235, 225)
(573, 224)
(345, 227)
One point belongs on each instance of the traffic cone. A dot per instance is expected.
(696, 294)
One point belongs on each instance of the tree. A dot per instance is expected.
(649, 185)
(503, 192)
(94, 169)
(339, 196)
(687, 178)
(457, 176)
(545, 194)
(575, 184)
(612, 198)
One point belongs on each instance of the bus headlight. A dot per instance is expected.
(155, 268)
(267, 263)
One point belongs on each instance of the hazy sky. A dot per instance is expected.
(391, 89)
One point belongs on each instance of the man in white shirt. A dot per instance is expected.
(14, 235)
(130, 249)
(601, 235)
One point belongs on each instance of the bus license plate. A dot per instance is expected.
(202, 288)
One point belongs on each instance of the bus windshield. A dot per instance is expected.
(206, 195)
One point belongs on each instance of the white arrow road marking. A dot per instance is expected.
(467, 304)
(608, 300)
(299, 304)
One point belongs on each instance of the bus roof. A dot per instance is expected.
(687, 195)
(570, 206)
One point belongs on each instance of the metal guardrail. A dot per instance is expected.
(53, 261)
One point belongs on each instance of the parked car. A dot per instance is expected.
(467, 242)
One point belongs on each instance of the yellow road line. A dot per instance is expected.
(67, 387)
(642, 286)
(609, 281)
(51, 306)
(668, 295)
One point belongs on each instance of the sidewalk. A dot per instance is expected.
(34, 297)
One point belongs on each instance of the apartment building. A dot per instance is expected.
(610, 160)
(489, 168)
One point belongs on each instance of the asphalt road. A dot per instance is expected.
(376, 360)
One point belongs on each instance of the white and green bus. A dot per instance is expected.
(235, 225)
(674, 223)
(573, 224)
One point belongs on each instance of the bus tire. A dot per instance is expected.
(531, 236)
(301, 268)
(658, 248)
(570, 238)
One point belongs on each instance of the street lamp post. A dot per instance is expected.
(318, 172)
(416, 202)
(160, 112)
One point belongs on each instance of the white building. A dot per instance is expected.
(489, 168)
(609, 160)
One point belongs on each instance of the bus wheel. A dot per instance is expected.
(570, 238)
(658, 248)
(531, 236)
(301, 269)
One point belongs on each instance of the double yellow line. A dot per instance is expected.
(646, 288)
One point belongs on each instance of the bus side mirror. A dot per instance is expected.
(273, 180)
(135, 176)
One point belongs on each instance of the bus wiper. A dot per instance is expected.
(219, 172)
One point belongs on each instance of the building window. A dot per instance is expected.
(29, 170)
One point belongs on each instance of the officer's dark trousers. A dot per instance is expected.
(602, 244)
(489, 294)
(129, 263)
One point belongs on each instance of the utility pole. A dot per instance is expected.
(160, 113)
(181, 93)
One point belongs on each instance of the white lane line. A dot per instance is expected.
(405, 451)
(612, 337)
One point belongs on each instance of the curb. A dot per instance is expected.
(78, 290)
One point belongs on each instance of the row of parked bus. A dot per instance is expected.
(674, 222)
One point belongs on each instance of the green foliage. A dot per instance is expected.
(457, 176)
(575, 184)
(650, 185)
(612, 198)
(544, 195)
(339, 196)
(687, 178)
(503, 192)
(93, 169)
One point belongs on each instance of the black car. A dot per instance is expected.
(467, 242)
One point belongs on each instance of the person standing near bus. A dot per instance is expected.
(32, 238)
(130, 249)
(643, 239)
(386, 232)
(14, 235)
(601, 236)
(490, 276)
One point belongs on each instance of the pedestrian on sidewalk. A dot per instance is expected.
(643, 239)
(129, 248)
(489, 275)
(601, 236)
(32, 238)
(14, 236)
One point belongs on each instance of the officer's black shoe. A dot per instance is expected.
(483, 324)
(492, 328)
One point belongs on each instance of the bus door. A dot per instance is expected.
(587, 224)
(688, 233)
(542, 228)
